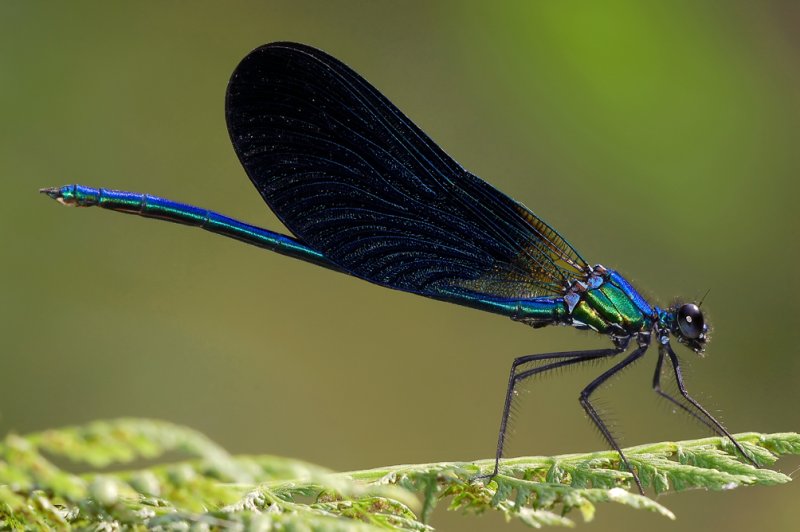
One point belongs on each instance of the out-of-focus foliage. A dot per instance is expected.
(659, 138)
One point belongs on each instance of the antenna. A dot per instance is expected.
(703, 298)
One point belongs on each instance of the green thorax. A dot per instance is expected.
(602, 307)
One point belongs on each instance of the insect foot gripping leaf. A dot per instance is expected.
(213, 489)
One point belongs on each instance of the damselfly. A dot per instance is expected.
(365, 192)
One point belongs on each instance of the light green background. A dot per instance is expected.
(661, 140)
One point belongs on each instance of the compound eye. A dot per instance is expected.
(690, 321)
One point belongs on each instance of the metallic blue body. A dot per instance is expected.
(163, 209)
(536, 311)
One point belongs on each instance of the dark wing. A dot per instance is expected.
(352, 177)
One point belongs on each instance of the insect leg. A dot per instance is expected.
(560, 360)
(665, 395)
(676, 366)
(644, 342)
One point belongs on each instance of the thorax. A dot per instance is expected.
(607, 303)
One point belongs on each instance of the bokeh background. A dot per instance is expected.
(660, 138)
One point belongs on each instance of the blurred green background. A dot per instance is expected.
(660, 140)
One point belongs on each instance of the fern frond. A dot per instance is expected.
(212, 489)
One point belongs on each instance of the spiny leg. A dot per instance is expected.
(561, 359)
(676, 366)
(676, 402)
(644, 342)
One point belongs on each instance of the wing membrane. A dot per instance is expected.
(352, 177)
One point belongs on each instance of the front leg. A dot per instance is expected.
(676, 402)
(676, 366)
